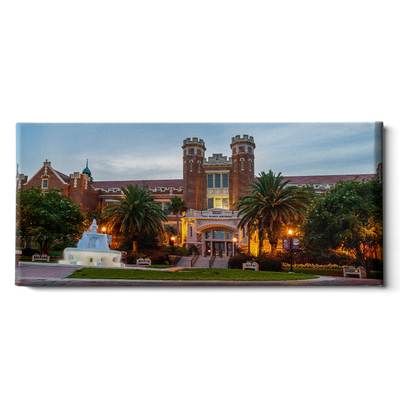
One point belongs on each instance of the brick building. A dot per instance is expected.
(210, 187)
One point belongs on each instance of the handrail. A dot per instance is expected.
(193, 260)
(211, 262)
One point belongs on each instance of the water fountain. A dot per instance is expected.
(92, 249)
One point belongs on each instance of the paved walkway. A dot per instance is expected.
(40, 274)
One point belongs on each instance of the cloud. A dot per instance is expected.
(139, 166)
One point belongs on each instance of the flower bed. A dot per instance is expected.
(314, 266)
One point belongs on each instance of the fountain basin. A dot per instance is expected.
(107, 258)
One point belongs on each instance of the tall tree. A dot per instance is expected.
(47, 216)
(134, 214)
(348, 217)
(269, 205)
(177, 206)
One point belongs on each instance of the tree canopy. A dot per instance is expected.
(47, 216)
(348, 217)
(135, 214)
(269, 204)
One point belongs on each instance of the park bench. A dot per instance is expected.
(354, 271)
(43, 257)
(143, 261)
(249, 265)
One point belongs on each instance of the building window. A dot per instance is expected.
(208, 234)
(218, 202)
(228, 235)
(191, 166)
(234, 165)
(191, 231)
(225, 181)
(214, 181)
(198, 166)
(249, 165)
(165, 208)
(210, 182)
(244, 232)
(242, 164)
(217, 180)
(218, 234)
(45, 183)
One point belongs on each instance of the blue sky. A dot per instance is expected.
(153, 151)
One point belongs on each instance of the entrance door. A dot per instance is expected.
(218, 248)
(208, 249)
(230, 248)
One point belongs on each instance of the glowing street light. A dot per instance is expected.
(235, 239)
(290, 233)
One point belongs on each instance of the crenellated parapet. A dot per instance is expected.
(218, 159)
(243, 144)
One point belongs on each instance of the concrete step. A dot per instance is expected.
(220, 262)
(202, 262)
(184, 262)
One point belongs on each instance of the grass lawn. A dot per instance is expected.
(198, 274)
(338, 272)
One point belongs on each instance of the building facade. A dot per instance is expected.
(210, 188)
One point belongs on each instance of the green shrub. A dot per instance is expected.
(315, 257)
(133, 256)
(268, 263)
(236, 262)
(28, 252)
(179, 251)
(376, 264)
(193, 249)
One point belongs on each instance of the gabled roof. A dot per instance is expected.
(152, 184)
(329, 179)
(63, 176)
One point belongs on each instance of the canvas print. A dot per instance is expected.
(199, 204)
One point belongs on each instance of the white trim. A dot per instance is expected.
(58, 176)
(217, 171)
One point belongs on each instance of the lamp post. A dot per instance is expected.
(290, 233)
(235, 239)
(173, 242)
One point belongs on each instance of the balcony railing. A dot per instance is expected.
(211, 214)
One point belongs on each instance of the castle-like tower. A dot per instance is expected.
(219, 181)
(193, 173)
(243, 165)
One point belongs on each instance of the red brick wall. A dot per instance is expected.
(241, 178)
(194, 179)
(84, 194)
(87, 198)
(194, 182)
(53, 181)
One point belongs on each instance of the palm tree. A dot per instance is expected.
(177, 206)
(135, 214)
(270, 205)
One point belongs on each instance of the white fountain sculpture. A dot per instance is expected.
(92, 249)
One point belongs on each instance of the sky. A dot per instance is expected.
(153, 151)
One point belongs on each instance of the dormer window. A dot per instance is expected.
(45, 183)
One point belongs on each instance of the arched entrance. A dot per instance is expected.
(218, 240)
